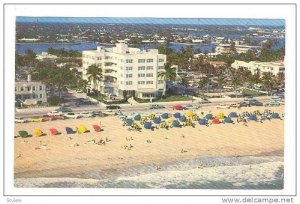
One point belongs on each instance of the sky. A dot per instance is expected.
(179, 21)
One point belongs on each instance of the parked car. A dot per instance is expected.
(245, 104)
(223, 106)
(39, 119)
(204, 100)
(53, 117)
(178, 107)
(113, 107)
(156, 106)
(54, 113)
(272, 103)
(62, 110)
(235, 105)
(98, 113)
(79, 91)
(255, 103)
(86, 114)
(191, 107)
(72, 115)
(248, 98)
(20, 120)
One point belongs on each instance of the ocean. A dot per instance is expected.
(249, 172)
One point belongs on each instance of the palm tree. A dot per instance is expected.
(281, 79)
(94, 74)
(235, 81)
(169, 74)
(204, 81)
(269, 81)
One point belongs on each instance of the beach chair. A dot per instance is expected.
(97, 128)
(38, 132)
(23, 133)
(82, 129)
(53, 131)
(69, 130)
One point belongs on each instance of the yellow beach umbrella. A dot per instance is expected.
(220, 115)
(82, 129)
(190, 114)
(38, 132)
(170, 120)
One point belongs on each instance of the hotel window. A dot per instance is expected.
(128, 82)
(149, 75)
(160, 81)
(141, 60)
(149, 60)
(149, 67)
(129, 61)
(149, 82)
(28, 88)
(33, 88)
(15, 88)
(160, 67)
(41, 95)
(41, 88)
(141, 68)
(141, 82)
(141, 75)
(161, 60)
(22, 89)
(98, 58)
(128, 75)
(128, 68)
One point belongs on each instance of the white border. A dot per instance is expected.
(286, 12)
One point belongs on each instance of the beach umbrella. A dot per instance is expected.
(182, 119)
(148, 125)
(170, 120)
(275, 115)
(220, 115)
(157, 120)
(165, 115)
(177, 115)
(82, 129)
(23, 133)
(209, 116)
(129, 122)
(38, 132)
(252, 117)
(233, 115)
(215, 121)
(202, 121)
(228, 120)
(175, 123)
(138, 117)
(190, 113)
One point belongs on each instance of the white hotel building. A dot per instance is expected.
(127, 69)
(273, 67)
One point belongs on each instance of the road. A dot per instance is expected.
(141, 107)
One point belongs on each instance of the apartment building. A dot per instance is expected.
(30, 92)
(46, 55)
(223, 49)
(273, 67)
(126, 69)
(245, 48)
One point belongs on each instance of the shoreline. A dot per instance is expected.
(172, 173)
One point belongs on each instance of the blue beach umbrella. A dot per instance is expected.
(148, 125)
(177, 115)
(275, 115)
(233, 115)
(175, 123)
(157, 120)
(182, 119)
(202, 121)
(252, 117)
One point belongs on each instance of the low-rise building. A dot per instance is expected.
(223, 49)
(126, 69)
(46, 55)
(30, 92)
(254, 66)
(245, 48)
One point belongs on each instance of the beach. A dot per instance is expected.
(256, 149)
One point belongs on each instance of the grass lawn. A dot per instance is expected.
(248, 92)
(102, 98)
(174, 98)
